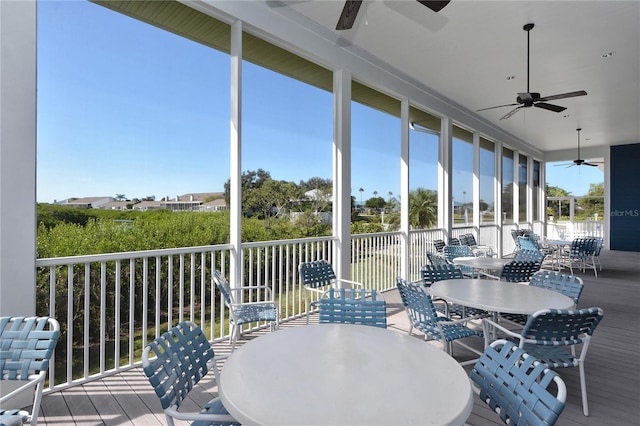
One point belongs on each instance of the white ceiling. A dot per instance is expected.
(467, 50)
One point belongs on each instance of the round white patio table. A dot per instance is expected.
(481, 262)
(343, 374)
(500, 296)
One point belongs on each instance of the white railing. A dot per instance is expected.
(570, 230)
(111, 305)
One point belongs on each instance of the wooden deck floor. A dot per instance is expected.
(612, 366)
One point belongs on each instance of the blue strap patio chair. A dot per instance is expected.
(566, 284)
(317, 277)
(423, 316)
(519, 271)
(518, 387)
(596, 255)
(558, 338)
(436, 259)
(262, 308)
(524, 255)
(478, 250)
(438, 245)
(581, 255)
(26, 347)
(174, 363)
(450, 252)
(454, 241)
(353, 306)
(434, 273)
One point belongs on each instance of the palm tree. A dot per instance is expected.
(120, 197)
(423, 208)
(361, 191)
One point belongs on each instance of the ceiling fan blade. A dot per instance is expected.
(434, 5)
(510, 113)
(563, 96)
(349, 14)
(550, 107)
(590, 164)
(499, 106)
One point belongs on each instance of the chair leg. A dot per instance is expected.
(234, 337)
(583, 390)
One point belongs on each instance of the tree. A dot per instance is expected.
(593, 201)
(316, 183)
(361, 191)
(553, 207)
(375, 203)
(120, 197)
(273, 198)
(250, 180)
(423, 208)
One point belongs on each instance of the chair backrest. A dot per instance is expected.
(599, 244)
(515, 385)
(468, 240)
(583, 248)
(436, 259)
(528, 255)
(432, 273)
(558, 327)
(417, 303)
(318, 273)
(351, 306)
(181, 360)
(567, 284)
(26, 346)
(528, 242)
(438, 245)
(519, 271)
(454, 241)
(224, 287)
(451, 252)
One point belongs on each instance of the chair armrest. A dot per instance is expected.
(266, 288)
(487, 322)
(352, 283)
(174, 413)
(461, 320)
(30, 383)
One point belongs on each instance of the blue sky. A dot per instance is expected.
(126, 108)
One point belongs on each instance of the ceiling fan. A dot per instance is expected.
(529, 99)
(351, 7)
(579, 161)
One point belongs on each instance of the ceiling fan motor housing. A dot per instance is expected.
(528, 98)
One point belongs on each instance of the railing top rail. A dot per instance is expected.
(286, 242)
(375, 234)
(68, 260)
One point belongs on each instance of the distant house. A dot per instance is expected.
(115, 205)
(217, 205)
(87, 202)
(143, 206)
(187, 202)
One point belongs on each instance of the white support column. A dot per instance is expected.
(404, 188)
(235, 151)
(17, 158)
(445, 213)
(516, 188)
(342, 173)
(476, 182)
(497, 188)
(607, 199)
(530, 193)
